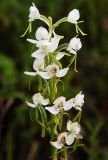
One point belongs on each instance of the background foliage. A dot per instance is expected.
(19, 134)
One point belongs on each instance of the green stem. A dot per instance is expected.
(75, 64)
(78, 29)
(55, 154)
(59, 22)
(65, 154)
(29, 28)
(72, 60)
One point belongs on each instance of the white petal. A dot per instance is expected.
(73, 16)
(74, 45)
(34, 13)
(73, 127)
(59, 56)
(41, 33)
(71, 50)
(79, 99)
(44, 75)
(38, 64)
(61, 135)
(45, 102)
(69, 104)
(59, 99)
(32, 41)
(69, 125)
(70, 139)
(78, 108)
(30, 73)
(62, 72)
(54, 44)
(37, 98)
(39, 54)
(31, 104)
(52, 110)
(57, 144)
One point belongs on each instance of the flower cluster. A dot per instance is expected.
(48, 68)
(68, 138)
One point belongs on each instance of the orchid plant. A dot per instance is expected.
(48, 68)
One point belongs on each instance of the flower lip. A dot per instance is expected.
(60, 103)
(62, 138)
(61, 106)
(52, 69)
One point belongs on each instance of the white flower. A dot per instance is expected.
(38, 99)
(74, 128)
(34, 13)
(45, 46)
(74, 45)
(73, 16)
(42, 33)
(63, 139)
(60, 105)
(53, 71)
(78, 101)
(37, 65)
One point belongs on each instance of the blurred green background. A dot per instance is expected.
(20, 135)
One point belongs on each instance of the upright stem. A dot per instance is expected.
(55, 154)
(65, 154)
